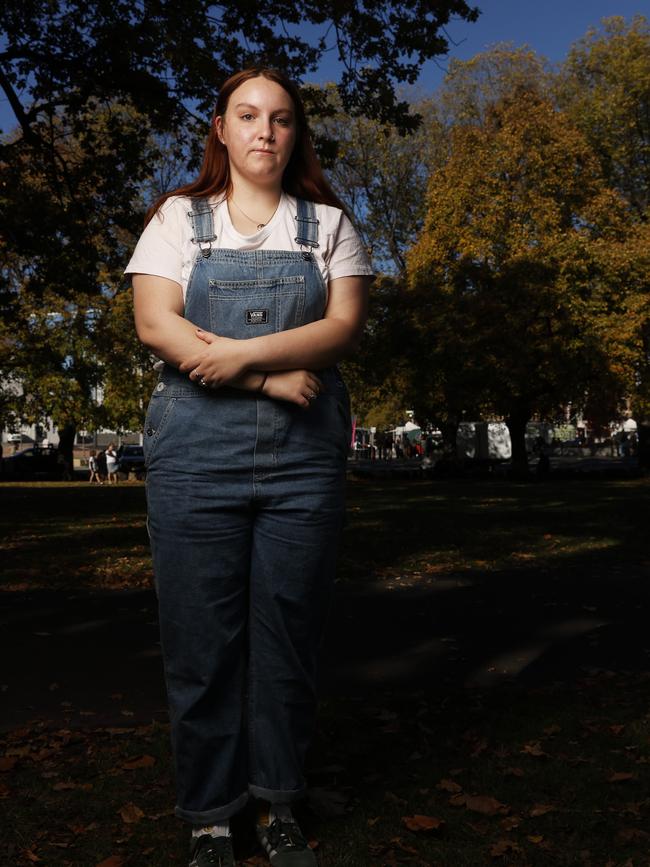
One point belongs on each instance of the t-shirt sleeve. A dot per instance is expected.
(346, 255)
(159, 250)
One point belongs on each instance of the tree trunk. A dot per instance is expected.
(643, 434)
(516, 422)
(67, 434)
(449, 430)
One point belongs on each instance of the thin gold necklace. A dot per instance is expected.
(259, 225)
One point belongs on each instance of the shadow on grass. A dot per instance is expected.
(488, 640)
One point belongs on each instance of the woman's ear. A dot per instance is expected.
(218, 125)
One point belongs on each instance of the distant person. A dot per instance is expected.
(101, 465)
(93, 467)
(111, 464)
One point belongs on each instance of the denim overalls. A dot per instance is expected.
(245, 502)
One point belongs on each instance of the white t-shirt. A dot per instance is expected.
(165, 248)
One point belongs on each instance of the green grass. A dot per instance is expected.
(518, 552)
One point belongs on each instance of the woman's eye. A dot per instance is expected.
(247, 116)
(283, 121)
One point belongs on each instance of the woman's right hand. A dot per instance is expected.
(294, 386)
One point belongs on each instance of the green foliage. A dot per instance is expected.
(604, 86)
(530, 276)
(379, 373)
(472, 86)
(65, 238)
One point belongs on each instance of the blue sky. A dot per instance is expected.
(547, 26)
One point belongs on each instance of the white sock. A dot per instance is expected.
(221, 829)
(280, 811)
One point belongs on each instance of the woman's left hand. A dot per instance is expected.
(222, 361)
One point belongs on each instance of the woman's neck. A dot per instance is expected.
(251, 206)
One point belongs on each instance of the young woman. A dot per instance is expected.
(250, 284)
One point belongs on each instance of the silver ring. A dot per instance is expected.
(203, 382)
(312, 395)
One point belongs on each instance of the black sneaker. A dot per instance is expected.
(284, 844)
(209, 851)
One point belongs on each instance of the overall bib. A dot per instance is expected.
(245, 500)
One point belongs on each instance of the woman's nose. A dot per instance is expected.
(266, 131)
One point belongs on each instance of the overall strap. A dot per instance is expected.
(202, 221)
(307, 228)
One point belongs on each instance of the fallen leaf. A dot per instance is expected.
(620, 777)
(424, 824)
(392, 798)
(510, 823)
(535, 838)
(61, 787)
(540, 810)
(7, 763)
(514, 772)
(458, 800)
(113, 861)
(130, 813)
(481, 828)
(409, 850)
(155, 816)
(633, 835)
(31, 855)
(449, 786)
(534, 749)
(485, 804)
(143, 761)
(503, 847)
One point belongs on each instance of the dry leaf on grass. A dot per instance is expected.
(513, 772)
(633, 835)
(113, 861)
(61, 787)
(620, 777)
(7, 763)
(540, 810)
(504, 847)
(143, 761)
(130, 813)
(424, 824)
(485, 805)
(449, 786)
(535, 749)
(408, 850)
(510, 823)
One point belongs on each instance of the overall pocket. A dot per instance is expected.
(158, 414)
(251, 308)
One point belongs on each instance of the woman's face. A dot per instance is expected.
(259, 131)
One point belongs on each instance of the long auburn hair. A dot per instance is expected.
(303, 176)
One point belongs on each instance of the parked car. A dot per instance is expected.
(131, 460)
(33, 464)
